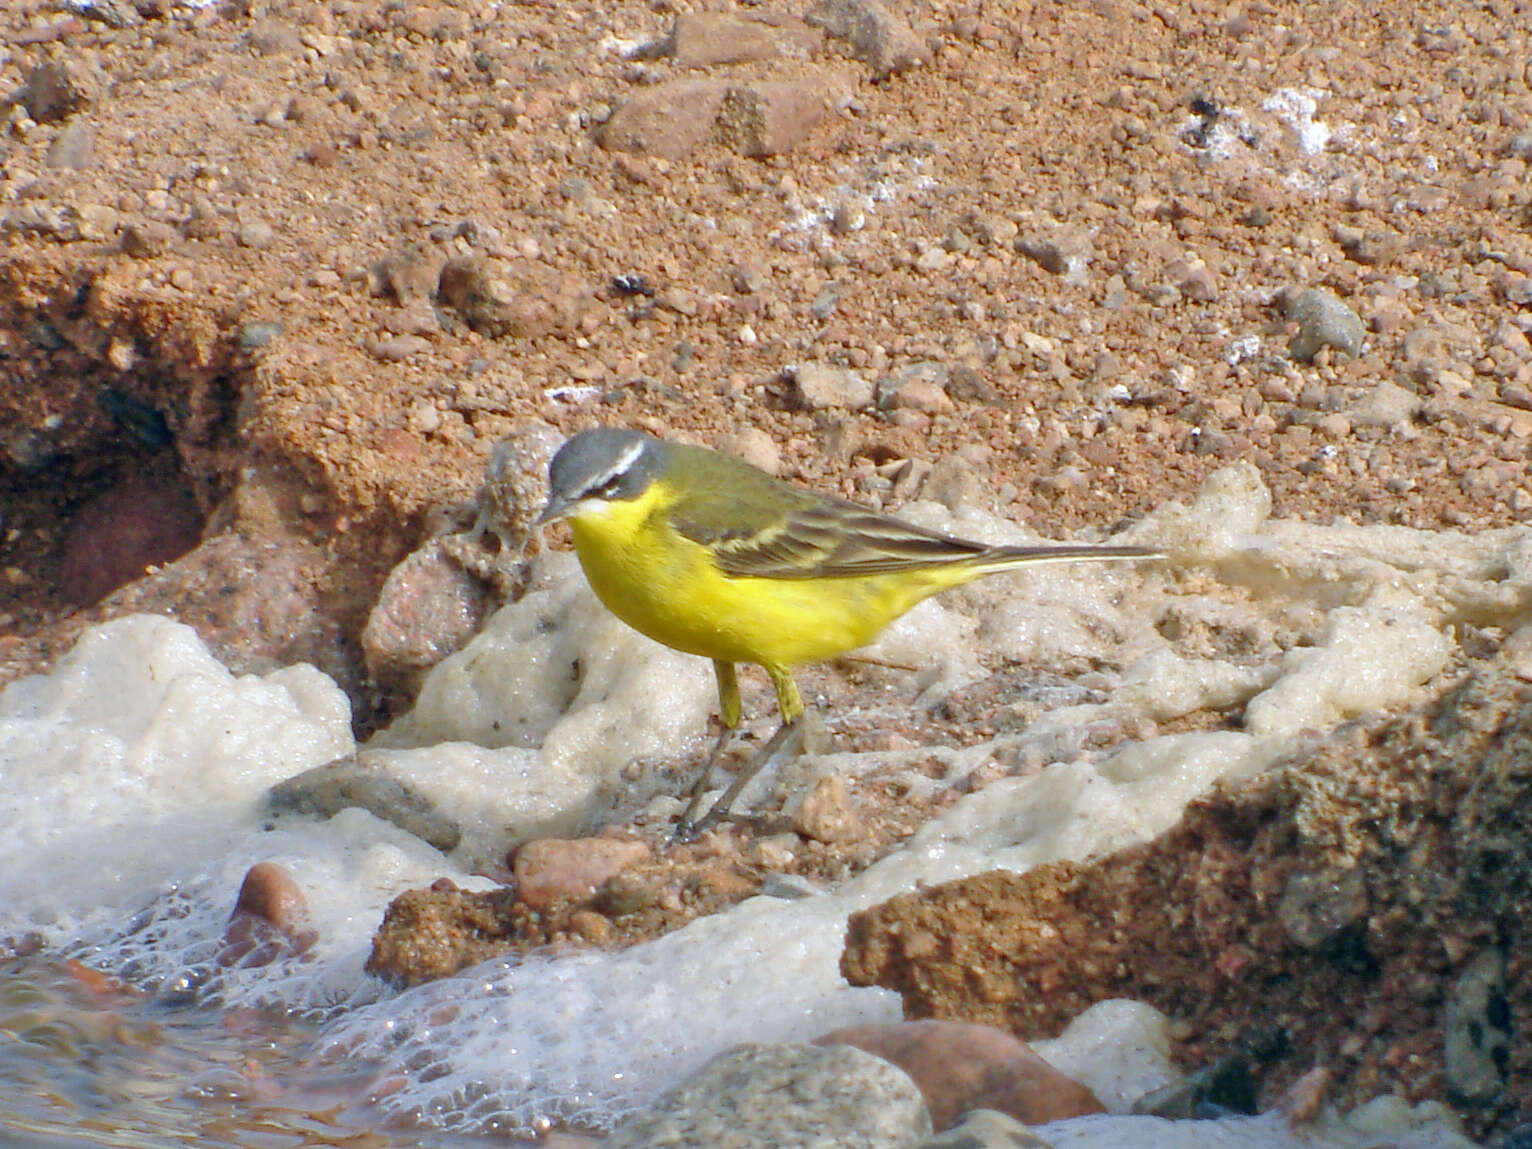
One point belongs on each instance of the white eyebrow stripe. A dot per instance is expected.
(619, 466)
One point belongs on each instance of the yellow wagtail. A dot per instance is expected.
(711, 556)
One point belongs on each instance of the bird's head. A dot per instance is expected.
(601, 466)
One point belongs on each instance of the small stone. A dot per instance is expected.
(820, 385)
(520, 299)
(1478, 1038)
(669, 120)
(774, 116)
(268, 919)
(877, 36)
(363, 780)
(258, 334)
(407, 274)
(1323, 321)
(52, 92)
(828, 815)
(270, 893)
(838, 1096)
(551, 869)
(986, 1129)
(916, 387)
(398, 348)
(429, 607)
(961, 1066)
(74, 148)
(256, 233)
(147, 238)
(705, 39)
(1062, 249)
(754, 446)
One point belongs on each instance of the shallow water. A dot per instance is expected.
(86, 1061)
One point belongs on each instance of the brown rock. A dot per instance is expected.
(550, 869)
(429, 607)
(430, 934)
(53, 92)
(960, 1066)
(775, 116)
(668, 120)
(268, 919)
(123, 531)
(703, 39)
(516, 299)
(877, 36)
(1333, 889)
(827, 813)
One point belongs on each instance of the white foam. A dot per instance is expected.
(140, 738)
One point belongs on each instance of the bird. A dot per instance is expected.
(714, 557)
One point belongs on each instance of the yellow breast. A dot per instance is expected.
(663, 584)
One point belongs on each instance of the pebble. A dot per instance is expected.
(1062, 249)
(769, 117)
(1323, 321)
(429, 607)
(753, 446)
(363, 780)
(268, 919)
(705, 39)
(819, 385)
(827, 813)
(52, 92)
(961, 1066)
(397, 348)
(121, 532)
(552, 869)
(784, 1097)
(74, 148)
(520, 299)
(876, 35)
(915, 387)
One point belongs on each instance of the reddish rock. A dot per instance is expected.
(669, 120)
(876, 36)
(553, 868)
(827, 813)
(512, 298)
(120, 533)
(776, 116)
(704, 39)
(961, 1066)
(268, 919)
(429, 607)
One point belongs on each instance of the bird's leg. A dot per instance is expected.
(786, 742)
(728, 712)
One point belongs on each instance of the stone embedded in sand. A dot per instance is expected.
(668, 120)
(753, 119)
(961, 1066)
(512, 298)
(551, 869)
(434, 933)
(428, 608)
(705, 39)
(1324, 321)
(122, 532)
(827, 813)
(879, 38)
(820, 385)
(775, 116)
(53, 92)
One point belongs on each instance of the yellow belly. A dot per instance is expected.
(667, 587)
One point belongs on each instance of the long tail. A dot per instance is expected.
(996, 558)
